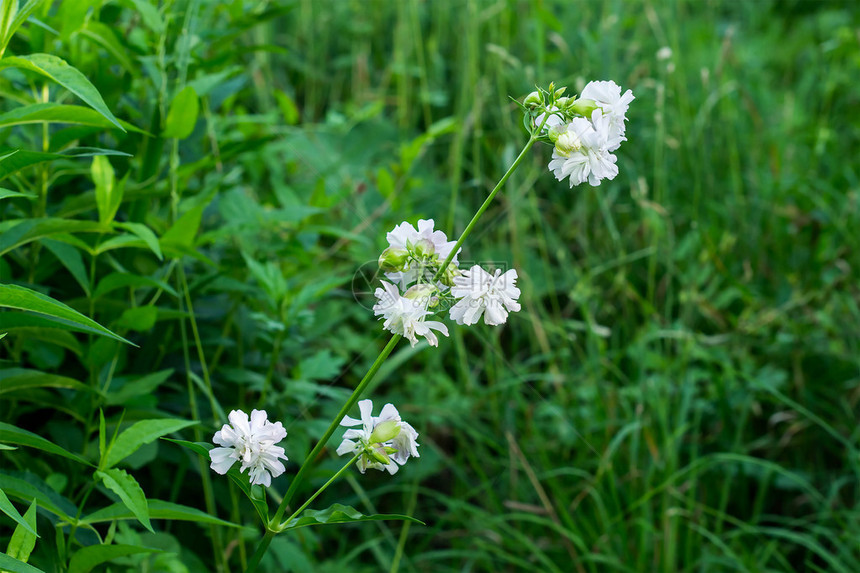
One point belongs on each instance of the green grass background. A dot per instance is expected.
(680, 390)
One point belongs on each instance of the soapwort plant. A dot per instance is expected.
(423, 280)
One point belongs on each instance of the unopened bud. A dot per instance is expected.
(385, 431)
(567, 142)
(392, 260)
(424, 248)
(447, 278)
(560, 92)
(532, 100)
(380, 453)
(424, 293)
(583, 107)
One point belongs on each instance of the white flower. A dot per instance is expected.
(404, 237)
(607, 96)
(364, 440)
(251, 444)
(481, 293)
(583, 151)
(405, 316)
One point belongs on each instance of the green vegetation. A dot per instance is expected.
(193, 198)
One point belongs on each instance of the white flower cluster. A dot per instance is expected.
(383, 441)
(412, 262)
(585, 130)
(252, 444)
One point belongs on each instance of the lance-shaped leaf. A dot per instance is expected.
(139, 434)
(24, 537)
(14, 435)
(30, 487)
(21, 298)
(108, 190)
(182, 115)
(17, 379)
(14, 566)
(87, 558)
(129, 492)
(50, 112)
(339, 513)
(158, 509)
(60, 71)
(9, 509)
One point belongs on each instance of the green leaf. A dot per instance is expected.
(185, 228)
(34, 487)
(148, 13)
(138, 318)
(9, 509)
(86, 558)
(70, 258)
(24, 158)
(17, 379)
(24, 537)
(141, 433)
(20, 298)
(126, 487)
(145, 234)
(108, 191)
(338, 513)
(11, 19)
(242, 481)
(157, 510)
(182, 116)
(67, 76)
(104, 36)
(18, 232)
(14, 435)
(116, 281)
(14, 566)
(50, 112)
(9, 194)
(139, 387)
(288, 108)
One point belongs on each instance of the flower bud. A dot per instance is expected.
(583, 107)
(378, 454)
(532, 100)
(447, 278)
(567, 142)
(560, 92)
(392, 260)
(385, 431)
(556, 131)
(424, 248)
(424, 293)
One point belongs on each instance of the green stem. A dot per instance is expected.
(304, 506)
(272, 531)
(468, 230)
(260, 551)
(356, 394)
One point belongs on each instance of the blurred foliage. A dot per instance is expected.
(679, 393)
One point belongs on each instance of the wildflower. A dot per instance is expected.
(251, 444)
(583, 151)
(382, 440)
(424, 248)
(607, 96)
(481, 293)
(405, 316)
